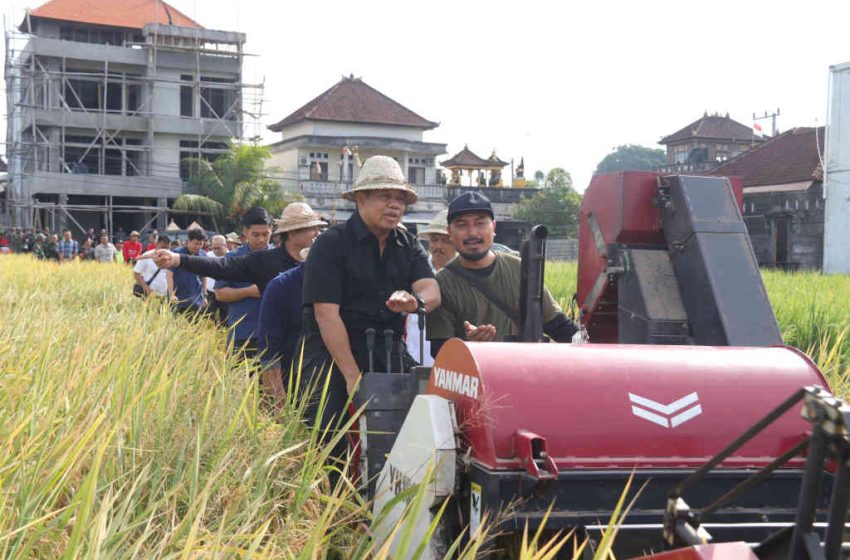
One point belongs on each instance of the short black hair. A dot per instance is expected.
(197, 235)
(256, 216)
(162, 238)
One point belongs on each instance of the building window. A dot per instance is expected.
(118, 93)
(82, 92)
(218, 98)
(319, 171)
(416, 175)
(91, 35)
(95, 156)
(191, 152)
(187, 97)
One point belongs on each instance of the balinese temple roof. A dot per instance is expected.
(494, 160)
(466, 159)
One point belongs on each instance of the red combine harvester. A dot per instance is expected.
(685, 385)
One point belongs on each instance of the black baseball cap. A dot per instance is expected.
(468, 203)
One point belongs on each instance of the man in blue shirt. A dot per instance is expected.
(244, 297)
(186, 290)
(279, 330)
(68, 248)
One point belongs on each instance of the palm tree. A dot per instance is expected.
(230, 185)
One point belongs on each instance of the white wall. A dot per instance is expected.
(836, 257)
(286, 164)
(303, 128)
(323, 128)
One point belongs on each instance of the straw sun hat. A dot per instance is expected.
(438, 224)
(297, 215)
(379, 173)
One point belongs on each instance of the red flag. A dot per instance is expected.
(757, 129)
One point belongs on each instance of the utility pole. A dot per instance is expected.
(772, 117)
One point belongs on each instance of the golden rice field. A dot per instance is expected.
(127, 432)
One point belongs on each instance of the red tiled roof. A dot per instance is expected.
(789, 157)
(352, 100)
(711, 127)
(130, 14)
(466, 159)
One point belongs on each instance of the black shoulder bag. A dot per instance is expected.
(138, 291)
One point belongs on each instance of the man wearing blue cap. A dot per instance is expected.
(480, 289)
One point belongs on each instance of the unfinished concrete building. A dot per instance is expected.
(106, 100)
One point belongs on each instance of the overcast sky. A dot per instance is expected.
(559, 83)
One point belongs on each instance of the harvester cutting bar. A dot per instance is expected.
(830, 418)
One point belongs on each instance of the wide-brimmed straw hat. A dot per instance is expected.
(380, 173)
(439, 224)
(297, 215)
(232, 237)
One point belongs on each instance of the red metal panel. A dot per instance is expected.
(620, 204)
(621, 406)
(722, 551)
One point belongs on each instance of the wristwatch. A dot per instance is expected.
(420, 302)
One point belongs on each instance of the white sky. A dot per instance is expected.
(560, 83)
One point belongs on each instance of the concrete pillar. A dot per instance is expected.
(61, 217)
(836, 257)
(161, 215)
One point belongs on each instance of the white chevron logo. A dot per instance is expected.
(664, 419)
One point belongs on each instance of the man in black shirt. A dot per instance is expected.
(362, 274)
(257, 267)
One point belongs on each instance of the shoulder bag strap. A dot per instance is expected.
(484, 290)
(149, 282)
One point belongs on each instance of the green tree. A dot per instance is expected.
(556, 205)
(631, 157)
(231, 184)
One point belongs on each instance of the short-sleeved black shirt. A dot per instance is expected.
(345, 267)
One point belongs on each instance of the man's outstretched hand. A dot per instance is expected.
(481, 333)
(163, 258)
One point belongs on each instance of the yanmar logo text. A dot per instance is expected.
(666, 415)
(455, 382)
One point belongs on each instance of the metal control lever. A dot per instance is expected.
(370, 347)
(401, 349)
(388, 345)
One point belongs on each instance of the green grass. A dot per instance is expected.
(813, 312)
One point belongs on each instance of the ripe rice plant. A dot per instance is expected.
(128, 432)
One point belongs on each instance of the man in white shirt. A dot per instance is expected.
(105, 252)
(441, 252)
(145, 269)
(217, 309)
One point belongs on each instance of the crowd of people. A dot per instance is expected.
(311, 302)
(45, 244)
(295, 291)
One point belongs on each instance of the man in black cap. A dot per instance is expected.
(480, 287)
